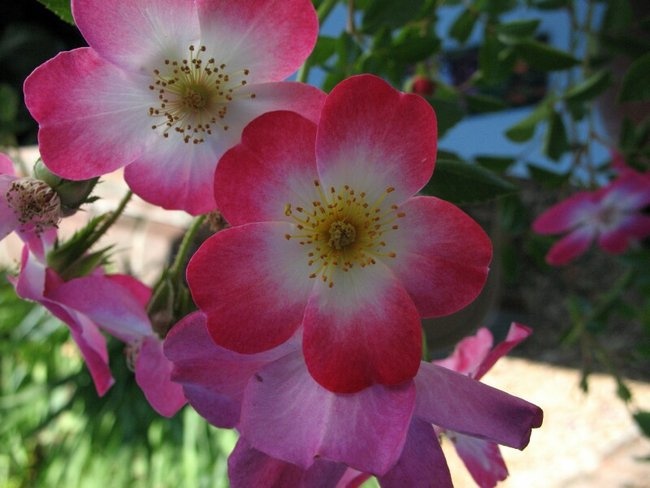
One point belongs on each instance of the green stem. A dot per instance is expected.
(110, 220)
(181, 256)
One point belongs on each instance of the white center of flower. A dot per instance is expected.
(36, 205)
(343, 229)
(193, 96)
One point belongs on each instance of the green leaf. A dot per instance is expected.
(325, 48)
(412, 45)
(459, 182)
(480, 103)
(489, 62)
(550, 4)
(499, 164)
(448, 113)
(61, 8)
(642, 419)
(636, 82)
(519, 28)
(590, 87)
(556, 142)
(9, 102)
(494, 7)
(463, 26)
(548, 179)
(544, 57)
(523, 130)
(390, 14)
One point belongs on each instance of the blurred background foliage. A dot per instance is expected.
(576, 105)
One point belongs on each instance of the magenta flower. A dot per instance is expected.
(611, 216)
(291, 426)
(474, 356)
(114, 304)
(326, 234)
(28, 206)
(166, 87)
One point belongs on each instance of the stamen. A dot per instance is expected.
(193, 95)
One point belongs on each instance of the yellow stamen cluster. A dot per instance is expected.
(193, 95)
(342, 229)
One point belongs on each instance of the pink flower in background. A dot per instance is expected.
(333, 241)
(28, 206)
(166, 87)
(294, 429)
(474, 356)
(610, 216)
(114, 304)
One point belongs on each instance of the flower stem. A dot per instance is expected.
(181, 256)
(110, 220)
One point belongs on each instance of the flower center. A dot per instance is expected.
(343, 230)
(193, 96)
(342, 234)
(36, 205)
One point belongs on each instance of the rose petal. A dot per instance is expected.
(363, 330)
(252, 283)
(153, 375)
(482, 459)
(442, 255)
(455, 402)
(135, 34)
(271, 38)
(92, 119)
(276, 159)
(371, 132)
(323, 424)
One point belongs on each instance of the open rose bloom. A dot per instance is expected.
(328, 236)
(611, 216)
(166, 87)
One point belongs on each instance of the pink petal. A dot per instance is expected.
(253, 285)
(455, 402)
(249, 467)
(106, 303)
(276, 159)
(469, 353)
(442, 255)
(6, 165)
(567, 214)
(482, 459)
(422, 462)
(631, 191)
(571, 246)
(153, 375)
(631, 228)
(213, 378)
(175, 175)
(271, 38)
(371, 132)
(364, 330)
(516, 334)
(93, 119)
(287, 415)
(137, 289)
(135, 34)
(8, 220)
(33, 282)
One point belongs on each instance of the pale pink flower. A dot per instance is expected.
(111, 303)
(333, 241)
(294, 430)
(166, 87)
(610, 216)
